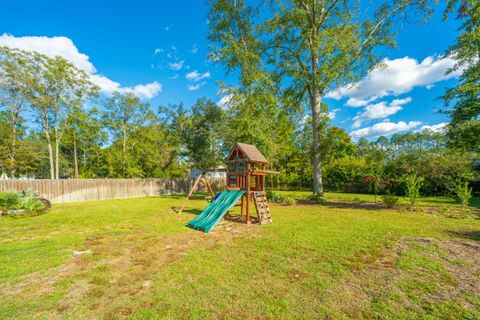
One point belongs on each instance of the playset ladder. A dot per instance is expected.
(261, 204)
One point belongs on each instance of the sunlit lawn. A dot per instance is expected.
(136, 259)
(424, 201)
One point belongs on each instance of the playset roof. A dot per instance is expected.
(251, 152)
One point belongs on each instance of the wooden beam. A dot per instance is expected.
(189, 194)
(215, 170)
(208, 185)
(248, 193)
(263, 172)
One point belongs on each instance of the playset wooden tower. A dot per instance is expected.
(246, 170)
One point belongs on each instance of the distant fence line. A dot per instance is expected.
(77, 190)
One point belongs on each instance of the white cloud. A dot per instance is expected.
(436, 127)
(333, 113)
(383, 129)
(175, 76)
(65, 48)
(396, 77)
(176, 65)
(51, 47)
(379, 110)
(144, 91)
(224, 101)
(147, 91)
(158, 51)
(353, 102)
(196, 86)
(195, 76)
(194, 48)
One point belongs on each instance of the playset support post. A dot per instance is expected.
(194, 187)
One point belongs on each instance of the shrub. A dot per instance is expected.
(319, 199)
(389, 200)
(12, 202)
(376, 179)
(9, 201)
(289, 201)
(273, 197)
(413, 184)
(30, 202)
(268, 194)
(463, 192)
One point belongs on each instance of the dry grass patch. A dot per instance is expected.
(415, 277)
(110, 273)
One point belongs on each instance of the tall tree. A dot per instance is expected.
(56, 90)
(464, 128)
(124, 113)
(13, 91)
(199, 131)
(83, 142)
(312, 46)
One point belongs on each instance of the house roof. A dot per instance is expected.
(251, 152)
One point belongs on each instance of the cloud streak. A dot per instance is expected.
(194, 78)
(384, 129)
(395, 77)
(379, 110)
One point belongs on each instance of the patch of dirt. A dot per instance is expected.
(375, 277)
(106, 271)
(467, 272)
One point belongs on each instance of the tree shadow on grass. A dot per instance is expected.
(191, 211)
(355, 205)
(345, 205)
(439, 201)
(467, 234)
(474, 202)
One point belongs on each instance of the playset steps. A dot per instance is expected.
(263, 210)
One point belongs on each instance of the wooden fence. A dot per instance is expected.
(76, 190)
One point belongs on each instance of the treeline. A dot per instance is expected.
(285, 58)
(54, 124)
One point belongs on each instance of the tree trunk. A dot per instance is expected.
(14, 112)
(315, 103)
(12, 151)
(50, 155)
(75, 160)
(124, 151)
(57, 158)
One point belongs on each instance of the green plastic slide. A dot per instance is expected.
(216, 210)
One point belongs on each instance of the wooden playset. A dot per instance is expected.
(246, 169)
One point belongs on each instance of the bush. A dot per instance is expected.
(463, 192)
(273, 197)
(289, 201)
(9, 201)
(389, 200)
(319, 199)
(30, 202)
(413, 185)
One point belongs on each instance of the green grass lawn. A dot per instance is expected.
(135, 259)
(425, 201)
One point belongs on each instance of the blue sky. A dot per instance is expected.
(158, 49)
